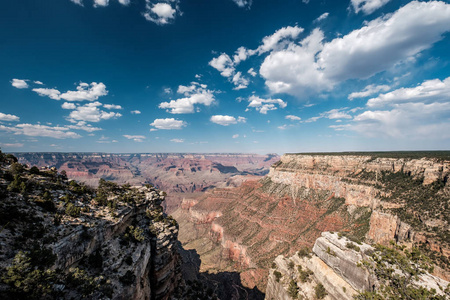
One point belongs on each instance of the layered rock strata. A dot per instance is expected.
(336, 263)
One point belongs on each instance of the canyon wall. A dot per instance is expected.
(337, 269)
(63, 240)
(363, 196)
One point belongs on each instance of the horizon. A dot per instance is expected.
(229, 76)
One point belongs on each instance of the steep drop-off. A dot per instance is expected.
(366, 197)
(180, 175)
(64, 240)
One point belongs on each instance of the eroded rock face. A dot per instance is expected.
(126, 246)
(336, 264)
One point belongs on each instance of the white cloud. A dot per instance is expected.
(79, 2)
(292, 118)
(68, 105)
(136, 112)
(429, 91)
(367, 6)
(19, 83)
(252, 72)
(56, 132)
(195, 94)
(377, 46)
(136, 138)
(279, 39)
(227, 120)
(177, 140)
(235, 136)
(103, 3)
(223, 64)
(8, 117)
(282, 127)
(408, 120)
(239, 81)
(163, 12)
(337, 113)
(243, 3)
(124, 2)
(369, 90)
(91, 113)
(112, 106)
(12, 145)
(84, 92)
(168, 124)
(264, 105)
(322, 17)
(38, 82)
(82, 125)
(51, 93)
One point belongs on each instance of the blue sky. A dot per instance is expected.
(224, 76)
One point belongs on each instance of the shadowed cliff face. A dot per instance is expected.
(63, 240)
(245, 228)
(179, 175)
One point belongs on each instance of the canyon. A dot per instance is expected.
(242, 217)
(178, 174)
(366, 197)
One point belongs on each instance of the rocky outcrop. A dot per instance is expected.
(111, 243)
(336, 263)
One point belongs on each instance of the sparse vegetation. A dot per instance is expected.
(293, 289)
(277, 275)
(320, 291)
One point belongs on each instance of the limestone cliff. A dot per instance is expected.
(61, 239)
(338, 268)
(373, 196)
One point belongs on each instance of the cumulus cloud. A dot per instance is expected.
(292, 118)
(279, 39)
(227, 120)
(223, 64)
(195, 94)
(235, 136)
(79, 2)
(85, 91)
(377, 46)
(68, 105)
(168, 124)
(239, 81)
(429, 91)
(56, 132)
(177, 140)
(264, 105)
(136, 112)
(367, 6)
(243, 3)
(409, 120)
(136, 138)
(252, 72)
(369, 90)
(337, 113)
(102, 3)
(19, 83)
(112, 106)
(161, 12)
(38, 82)
(82, 125)
(8, 117)
(91, 113)
(124, 2)
(419, 112)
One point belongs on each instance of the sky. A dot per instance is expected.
(206, 76)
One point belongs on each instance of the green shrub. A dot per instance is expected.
(350, 245)
(277, 275)
(320, 291)
(293, 289)
(72, 210)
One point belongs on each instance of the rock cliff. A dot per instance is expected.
(61, 239)
(338, 268)
(375, 197)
